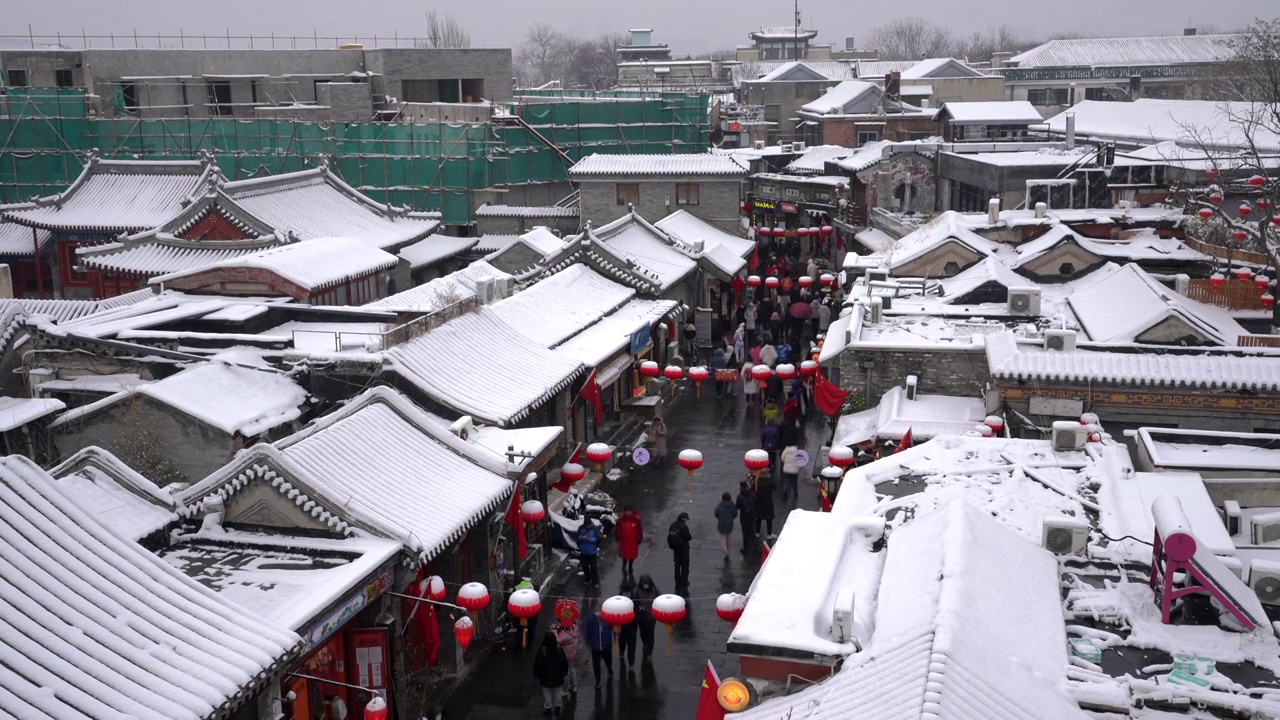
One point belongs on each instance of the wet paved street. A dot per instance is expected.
(722, 429)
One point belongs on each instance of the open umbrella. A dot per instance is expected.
(800, 310)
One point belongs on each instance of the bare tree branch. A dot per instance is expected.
(445, 31)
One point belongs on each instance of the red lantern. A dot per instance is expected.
(1215, 199)
(729, 607)
(1205, 214)
(1089, 419)
(618, 611)
(464, 629)
(785, 372)
(1257, 181)
(650, 369)
(995, 422)
(1216, 280)
(764, 231)
(983, 430)
(1239, 236)
(1276, 219)
(780, 231)
(376, 709)
(432, 588)
(668, 610)
(673, 373)
(598, 454)
(840, 456)
(761, 374)
(1263, 204)
(753, 280)
(1244, 273)
(572, 472)
(771, 283)
(690, 460)
(806, 281)
(1267, 301)
(827, 279)
(473, 597)
(1261, 282)
(697, 375)
(1244, 210)
(746, 208)
(808, 369)
(826, 230)
(532, 511)
(756, 460)
(1211, 174)
(524, 604)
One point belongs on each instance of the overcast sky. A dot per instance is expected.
(687, 26)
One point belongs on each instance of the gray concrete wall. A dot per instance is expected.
(347, 102)
(520, 225)
(719, 201)
(42, 64)
(1115, 417)
(517, 257)
(789, 97)
(400, 65)
(961, 371)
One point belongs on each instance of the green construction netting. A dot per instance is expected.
(46, 132)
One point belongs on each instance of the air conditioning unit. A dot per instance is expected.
(842, 616)
(463, 427)
(1024, 301)
(501, 288)
(797, 147)
(1064, 535)
(1069, 435)
(1264, 528)
(699, 246)
(485, 290)
(1231, 516)
(1060, 340)
(877, 310)
(757, 145)
(1264, 578)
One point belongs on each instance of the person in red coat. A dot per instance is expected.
(630, 533)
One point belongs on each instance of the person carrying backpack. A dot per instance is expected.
(588, 547)
(678, 539)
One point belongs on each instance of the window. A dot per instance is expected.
(1066, 269)
(129, 96)
(791, 193)
(219, 98)
(16, 78)
(63, 78)
(951, 268)
(1097, 94)
(867, 136)
(628, 193)
(686, 193)
(1043, 97)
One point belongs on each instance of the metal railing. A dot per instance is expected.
(205, 41)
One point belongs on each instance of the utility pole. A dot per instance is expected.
(796, 34)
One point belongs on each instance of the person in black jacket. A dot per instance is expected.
(678, 539)
(746, 503)
(643, 595)
(627, 636)
(551, 668)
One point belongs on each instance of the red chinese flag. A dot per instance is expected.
(764, 552)
(708, 706)
(906, 442)
(754, 261)
(827, 396)
(591, 393)
(825, 499)
(513, 519)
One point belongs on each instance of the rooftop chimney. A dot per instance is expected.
(1071, 130)
(993, 211)
(1189, 32)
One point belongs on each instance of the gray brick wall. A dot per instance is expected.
(961, 372)
(398, 65)
(718, 201)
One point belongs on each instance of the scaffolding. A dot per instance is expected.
(45, 134)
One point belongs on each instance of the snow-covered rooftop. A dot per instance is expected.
(849, 97)
(938, 68)
(561, 305)
(726, 251)
(16, 412)
(437, 248)
(312, 265)
(17, 239)
(442, 291)
(755, 71)
(926, 417)
(687, 164)
(814, 160)
(113, 196)
(632, 238)
(1209, 450)
(316, 203)
(1149, 307)
(444, 364)
(948, 227)
(231, 398)
(115, 494)
(98, 626)
(1011, 112)
(612, 334)
(525, 211)
(161, 257)
(1209, 123)
(1156, 50)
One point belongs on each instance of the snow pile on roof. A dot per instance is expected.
(113, 196)
(953, 583)
(1213, 124)
(16, 412)
(688, 164)
(726, 251)
(1157, 50)
(1171, 448)
(987, 270)
(312, 265)
(877, 69)
(814, 160)
(948, 227)
(865, 156)
(757, 71)
(927, 416)
(100, 627)
(434, 249)
(494, 243)
(461, 362)
(835, 100)
(442, 291)
(540, 241)
(316, 203)
(432, 489)
(1125, 510)
(124, 501)
(939, 68)
(793, 71)
(561, 305)
(1200, 370)
(17, 239)
(612, 334)
(1148, 307)
(160, 257)
(230, 398)
(632, 238)
(993, 113)
(523, 211)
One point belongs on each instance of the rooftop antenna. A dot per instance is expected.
(796, 34)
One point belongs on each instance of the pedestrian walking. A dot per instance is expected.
(769, 355)
(691, 341)
(551, 668)
(630, 534)
(790, 471)
(658, 437)
(588, 547)
(750, 390)
(824, 316)
(739, 344)
(628, 633)
(726, 511)
(755, 351)
(678, 539)
(746, 504)
(769, 440)
(567, 637)
(719, 361)
(811, 269)
(771, 412)
(749, 317)
(645, 591)
(764, 506)
(600, 640)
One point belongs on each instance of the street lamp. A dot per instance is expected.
(831, 477)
